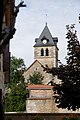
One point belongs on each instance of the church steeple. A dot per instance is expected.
(46, 35)
(45, 48)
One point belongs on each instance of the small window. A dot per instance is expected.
(42, 52)
(47, 52)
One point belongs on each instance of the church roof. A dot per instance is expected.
(33, 64)
(46, 35)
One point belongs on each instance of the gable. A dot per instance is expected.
(35, 66)
(38, 67)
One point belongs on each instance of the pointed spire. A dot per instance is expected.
(46, 34)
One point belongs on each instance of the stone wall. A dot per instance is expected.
(40, 106)
(40, 99)
(44, 116)
(40, 93)
(50, 60)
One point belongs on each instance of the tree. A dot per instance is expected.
(15, 100)
(17, 68)
(35, 78)
(68, 92)
(16, 91)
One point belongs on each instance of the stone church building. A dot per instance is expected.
(45, 55)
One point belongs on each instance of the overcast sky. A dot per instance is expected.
(31, 21)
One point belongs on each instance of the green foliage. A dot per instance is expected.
(15, 100)
(16, 92)
(17, 68)
(35, 78)
(68, 92)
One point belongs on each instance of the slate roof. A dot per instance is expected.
(46, 35)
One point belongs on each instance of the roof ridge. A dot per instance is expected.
(33, 63)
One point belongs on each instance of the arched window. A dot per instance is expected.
(47, 52)
(42, 52)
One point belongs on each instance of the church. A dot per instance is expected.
(45, 55)
(41, 97)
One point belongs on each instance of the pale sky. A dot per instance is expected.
(31, 21)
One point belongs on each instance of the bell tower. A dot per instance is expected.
(45, 49)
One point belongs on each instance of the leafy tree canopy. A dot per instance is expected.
(17, 68)
(35, 78)
(16, 90)
(15, 100)
(68, 92)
